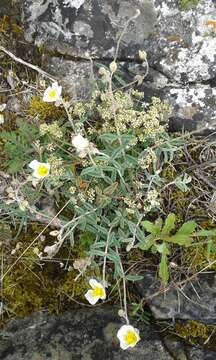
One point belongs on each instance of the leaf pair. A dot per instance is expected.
(162, 235)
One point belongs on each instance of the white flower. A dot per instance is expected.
(97, 292)
(80, 143)
(83, 146)
(52, 93)
(41, 170)
(128, 336)
(2, 107)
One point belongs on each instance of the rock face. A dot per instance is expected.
(181, 45)
(196, 300)
(78, 335)
(86, 335)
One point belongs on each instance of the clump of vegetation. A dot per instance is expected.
(108, 182)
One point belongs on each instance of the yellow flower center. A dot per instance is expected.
(42, 170)
(98, 291)
(131, 337)
(52, 93)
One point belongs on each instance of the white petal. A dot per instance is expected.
(33, 164)
(46, 94)
(57, 88)
(2, 107)
(103, 297)
(122, 331)
(79, 142)
(94, 283)
(91, 299)
(124, 345)
(36, 175)
(1, 119)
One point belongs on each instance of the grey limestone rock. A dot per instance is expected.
(182, 44)
(77, 335)
(181, 47)
(196, 300)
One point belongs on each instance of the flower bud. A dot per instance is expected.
(102, 71)
(142, 55)
(113, 66)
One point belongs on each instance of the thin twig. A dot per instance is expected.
(23, 62)
(124, 288)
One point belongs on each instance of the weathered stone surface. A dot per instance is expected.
(181, 47)
(76, 27)
(75, 76)
(195, 300)
(182, 351)
(78, 335)
(192, 105)
(199, 354)
(180, 43)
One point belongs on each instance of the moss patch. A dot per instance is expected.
(188, 4)
(34, 285)
(45, 111)
(197, 333)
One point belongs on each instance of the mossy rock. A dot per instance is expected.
(197, 333)
(45, 112)
(33, 285)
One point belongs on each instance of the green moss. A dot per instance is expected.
(45, 111)
(196, 332)
(188, 4)
(34, 285)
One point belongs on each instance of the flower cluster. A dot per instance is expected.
(152, 200)
(148, 157)
(52, 129)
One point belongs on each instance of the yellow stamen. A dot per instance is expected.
(42, 170)
(131, 337)
(98, 291)
(52, 93)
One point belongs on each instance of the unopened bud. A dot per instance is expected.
(54, 233)
(113, 66)
(102, 71)
(142, 55)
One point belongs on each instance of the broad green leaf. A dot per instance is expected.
(163, 248)
(164, 269)
(150, 227)
(169, 224)
(179, 239)
(146, 243)
(187, 228)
